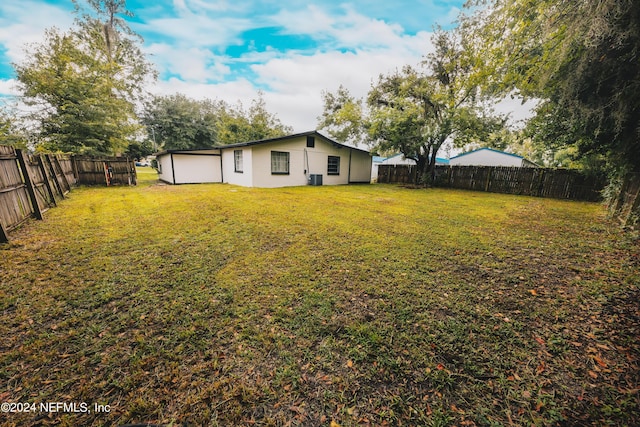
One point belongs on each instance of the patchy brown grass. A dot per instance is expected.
(361, 305)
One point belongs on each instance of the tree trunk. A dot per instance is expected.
(421, 165)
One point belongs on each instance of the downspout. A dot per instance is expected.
(173, 169)
(306, 165)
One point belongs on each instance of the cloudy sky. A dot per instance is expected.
(292, 50)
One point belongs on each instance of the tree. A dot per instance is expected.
(342, 116)
(581, 59)
(85, 82)
(416, 112)
(176, 122)
(239, 125)
(10, 134)
(139, 150)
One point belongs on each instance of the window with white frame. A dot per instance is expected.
(237, 160)
(333, 165)
(279, 163)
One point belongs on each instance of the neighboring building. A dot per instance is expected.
(490, 157)
(399, 159)
(375, 162)
(299, 159)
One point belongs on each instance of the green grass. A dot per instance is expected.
(363, 305)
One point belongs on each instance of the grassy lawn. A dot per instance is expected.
(358, 305)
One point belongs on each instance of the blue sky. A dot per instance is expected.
(291, 50)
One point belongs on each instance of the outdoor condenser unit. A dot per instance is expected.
(315, 179)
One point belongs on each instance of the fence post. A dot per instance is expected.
(540, 186)
(4, 236)
(26, 174)
(486, 185)
(64, 177)
(54, 175)
(74, 167)
(47, 184)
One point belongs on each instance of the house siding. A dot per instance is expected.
(229, 173)
(165, 171)
(361, 166)
(317, 163)
(197, 168)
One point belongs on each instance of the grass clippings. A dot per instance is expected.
(351, 306)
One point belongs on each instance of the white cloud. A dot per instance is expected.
(198, 30)
(352, 50)
(296, 81)
(349, 29)
(8, 87)
(188, 40)
(191, 64)
(24, 22)
(230, 92)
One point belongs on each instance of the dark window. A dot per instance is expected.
(279, 163)
(311, 141)
(333, 165)
(237, 160)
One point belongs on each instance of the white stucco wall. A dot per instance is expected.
(164, 168)
(316, 160)
(360, 167)
(197, 168)
(486, 158)
(230, 176)
(212, 166)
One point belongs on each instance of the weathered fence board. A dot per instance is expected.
(31, 184)
(539, 182)
(105, 170)
(15, 205)
(626, 207)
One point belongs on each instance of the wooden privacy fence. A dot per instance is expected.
(626, 207)
(104, 170)
(539, 182)
(31, 184)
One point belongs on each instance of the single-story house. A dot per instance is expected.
(299, 159)
(490, 157)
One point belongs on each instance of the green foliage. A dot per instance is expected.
(235, 124)
(84, 83)
(139, 150)
(581, 59)
(10, 134)
(178, 122)
(416, 112)
(342, 116)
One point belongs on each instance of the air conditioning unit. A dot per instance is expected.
(315, 179)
